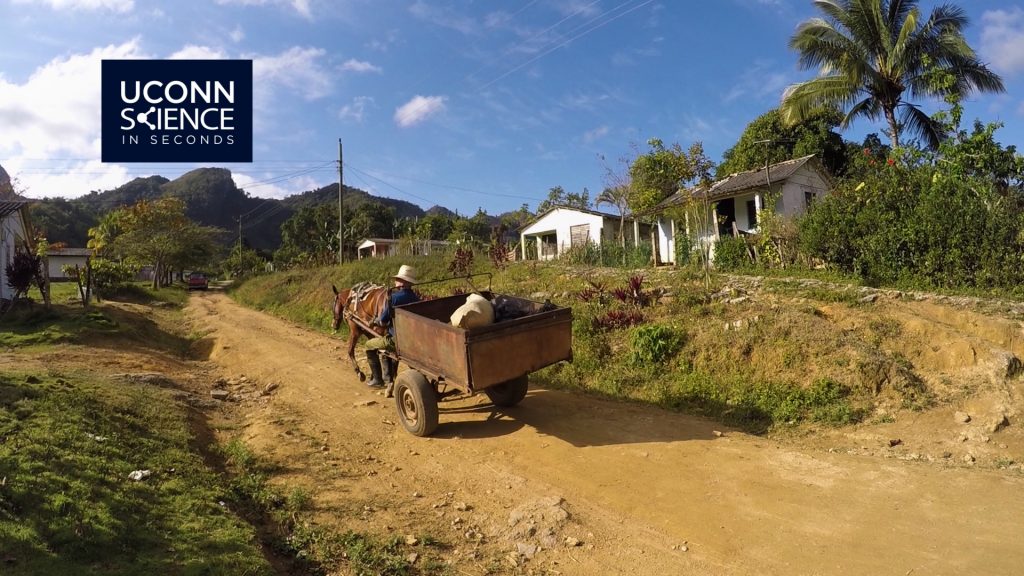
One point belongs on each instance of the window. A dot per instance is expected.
(579, 235)
(751, 214)
(809, 197)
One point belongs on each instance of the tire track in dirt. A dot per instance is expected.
(637, 482)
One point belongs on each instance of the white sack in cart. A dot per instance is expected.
(476, 312)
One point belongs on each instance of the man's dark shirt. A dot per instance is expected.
(398, 298)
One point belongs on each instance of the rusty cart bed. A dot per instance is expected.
(495, 359)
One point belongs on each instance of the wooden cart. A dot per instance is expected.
(495, 359)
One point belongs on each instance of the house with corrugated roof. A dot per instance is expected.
(14, 231)
(734, 202)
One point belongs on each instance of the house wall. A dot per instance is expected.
(560, 222)
(56, 264)
(12, 232)
(803, 180)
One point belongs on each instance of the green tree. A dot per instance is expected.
(871, 53)
(662, 171)
(557, 196)
(159, 234)
(370, 220)
(434, 227)
(768, 140)
(475, 230)
(310, 236)
(243, 262)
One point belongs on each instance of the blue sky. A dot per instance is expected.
(462, 103)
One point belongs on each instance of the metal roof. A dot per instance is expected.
(741, 181)
(8, 206)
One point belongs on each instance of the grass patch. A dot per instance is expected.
(67, 505)
(315, 549)
(30, 324)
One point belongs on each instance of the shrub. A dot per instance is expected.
(653, 344)
(911, 222)
(731, 253)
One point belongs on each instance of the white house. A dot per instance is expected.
(14, 235)
(60, 257)
(734, 201)
(381, 247)
(561, 228)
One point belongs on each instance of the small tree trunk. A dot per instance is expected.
(894, 128)
(81, 289)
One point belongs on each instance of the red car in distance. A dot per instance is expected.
(198, 281)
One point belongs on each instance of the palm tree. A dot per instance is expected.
(872, 52)
(617, 196)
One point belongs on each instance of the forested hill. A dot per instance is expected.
(211, 198)
(353, 198)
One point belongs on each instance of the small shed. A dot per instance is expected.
(60, 257)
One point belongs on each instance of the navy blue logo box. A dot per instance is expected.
(176, 111)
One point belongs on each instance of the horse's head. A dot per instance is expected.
(340, 298)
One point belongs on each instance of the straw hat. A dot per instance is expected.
(406, 273)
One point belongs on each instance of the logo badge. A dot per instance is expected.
(176, 111)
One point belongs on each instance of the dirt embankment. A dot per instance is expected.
(565, 484)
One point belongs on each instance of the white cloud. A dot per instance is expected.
(191, 52)
(353, 65)
(121, 6)
(581, 101)
(584, 8)
(258, 186)
(419, 109)
(298, 69)
(356, 110)
(444, 17)
(237, 35)
(57, 109)
(55, 114)
(759, 83)
(595, 134)
(300, 6)
(385, 43)
(1002, 39)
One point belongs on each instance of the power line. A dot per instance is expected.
(578, 36)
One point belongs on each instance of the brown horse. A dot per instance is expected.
(359, 306)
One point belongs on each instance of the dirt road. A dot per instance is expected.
(566, 484)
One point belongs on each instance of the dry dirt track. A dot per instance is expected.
(642, 490)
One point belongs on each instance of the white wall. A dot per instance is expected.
(12, 231)
(805, 179)
(559, 221)
(55, 268)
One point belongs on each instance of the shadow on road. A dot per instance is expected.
(576, 419)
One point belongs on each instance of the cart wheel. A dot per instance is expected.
(508, 393)
(416, 401)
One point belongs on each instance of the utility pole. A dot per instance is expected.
(341, 208)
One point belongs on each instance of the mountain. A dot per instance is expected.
(211, 198)
(352, 199)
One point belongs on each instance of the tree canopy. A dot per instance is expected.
(768, 140)
(873, 54)
(557, 196)
(662, 171)
(156, 233)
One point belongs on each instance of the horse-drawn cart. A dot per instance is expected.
(496, 359)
